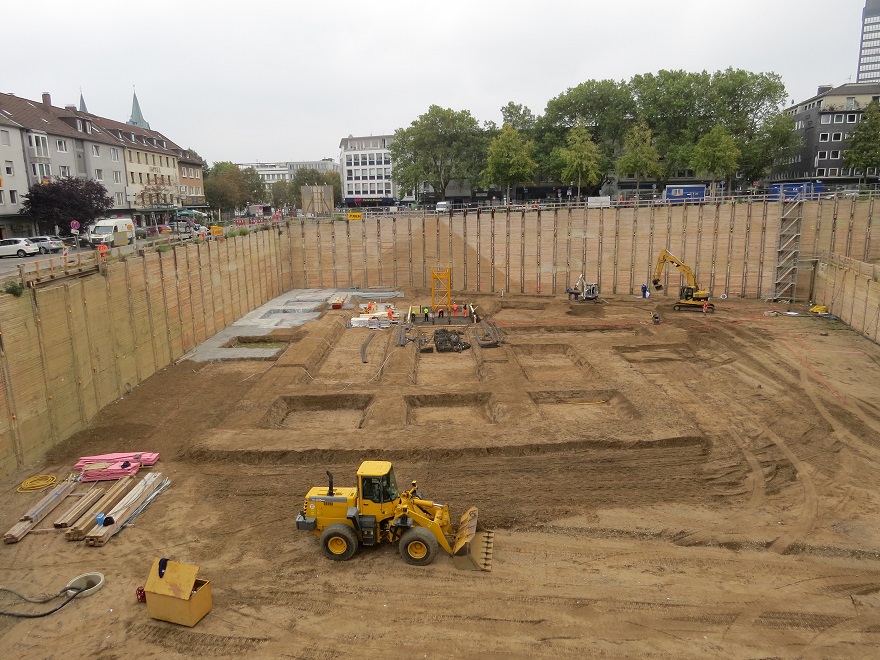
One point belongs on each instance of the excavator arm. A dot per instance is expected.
(667, 258)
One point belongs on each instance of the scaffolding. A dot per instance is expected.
(788, 250)
(441, 289)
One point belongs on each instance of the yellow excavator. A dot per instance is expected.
(375, 511)
(690, 296)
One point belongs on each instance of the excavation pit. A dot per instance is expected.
(441, 410)
(552, 363)
(581, 405)
(320, 414)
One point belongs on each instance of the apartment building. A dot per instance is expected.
(365, 170)
(271, 173)
(142, 170)
(825, 123)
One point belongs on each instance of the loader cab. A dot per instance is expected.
(686, 293)
(377, 488)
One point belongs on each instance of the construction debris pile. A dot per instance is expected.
(96, 512)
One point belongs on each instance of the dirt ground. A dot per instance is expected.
(706, 487)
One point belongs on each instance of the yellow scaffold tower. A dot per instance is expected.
(441, 289)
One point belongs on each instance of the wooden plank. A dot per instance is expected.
(77, 531)
(98, 536)
(49, 502)
(18, 531)
(75, 512)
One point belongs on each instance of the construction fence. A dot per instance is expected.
(70, 347)
(851, 291)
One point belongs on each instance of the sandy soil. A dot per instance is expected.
(707, 487)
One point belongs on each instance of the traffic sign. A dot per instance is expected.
(74, 224)
(355, 215)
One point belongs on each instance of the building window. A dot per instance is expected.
(4, 138)
(852, 119)
(826, 119)
(820, 171)
(96, 150)
(822, 155)
(40, 144)
(141, 177)
(63, 171)
(154, 159)
(139, 157)
(61, 145)
(838, 119)
(41, 170)
(117, 176)
(832, 171)
(1, 196)
(99, 175)
(120, 198)
(132, 177)
(13, 197)
(9, 168)
(114, 154)
(835, 155)
(129, 156)
(837, 137)
(823, 137)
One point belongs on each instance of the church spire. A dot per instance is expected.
(137, 117)
(82, 103)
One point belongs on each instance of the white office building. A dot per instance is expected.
(365, 164)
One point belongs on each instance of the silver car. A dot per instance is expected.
(47, 244)
(17, 247)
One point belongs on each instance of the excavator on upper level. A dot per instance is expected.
(690, 296)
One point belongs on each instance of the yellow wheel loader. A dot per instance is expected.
(375, 511)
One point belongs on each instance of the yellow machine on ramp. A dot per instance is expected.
(375, 511)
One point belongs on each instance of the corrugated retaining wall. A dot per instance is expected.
(70, 349)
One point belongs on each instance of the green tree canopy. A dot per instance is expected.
(224, 186)
(59, 202)
(640, 158)
(716, 155)
(312, 177)
(509, 160)
(864, 148)
(440, 146)
(519, 117)
(253, 186)
(581, 158)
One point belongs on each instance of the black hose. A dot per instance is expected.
(76, 591)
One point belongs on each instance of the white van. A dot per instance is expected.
(111, 232)
(442, 207)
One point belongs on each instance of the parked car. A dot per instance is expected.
(47, 244)
(17, 247)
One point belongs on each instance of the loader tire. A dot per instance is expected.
(338, 541)
(418, 546)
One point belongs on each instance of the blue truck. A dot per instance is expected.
(681, 193)
(803, 190)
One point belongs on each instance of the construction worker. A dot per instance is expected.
(464, 309)
(431, 314)
(655, 318)
(440, 312)
(455, 309)
(390, 313)
(426, 314)
(705, 307)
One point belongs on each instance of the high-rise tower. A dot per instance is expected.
(869, 53)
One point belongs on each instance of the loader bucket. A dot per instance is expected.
(472, 550)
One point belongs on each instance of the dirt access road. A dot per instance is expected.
(706, 487)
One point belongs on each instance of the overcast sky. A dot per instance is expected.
(278, 80)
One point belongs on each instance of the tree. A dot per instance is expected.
(59, 202)
(253, 187)
(518, 116)
(716, 155)
(640, 158)
(509, 160)
(581, 158)
(312, 177)
(773, 146)
(224, 186)
(864, 148)
(440, 146)
(280, 193)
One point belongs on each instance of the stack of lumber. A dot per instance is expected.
(145, 458)
(109, 471)
(75, 512)
(43, 508)
(78, 530)
(100, 534)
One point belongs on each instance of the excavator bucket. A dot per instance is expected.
(472, 550)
